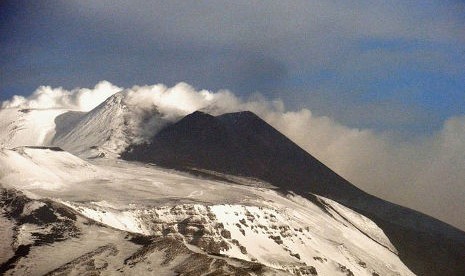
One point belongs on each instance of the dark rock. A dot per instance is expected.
(225, 234)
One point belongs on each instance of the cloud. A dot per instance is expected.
(81, 99)
(352, 52)
(425, 173)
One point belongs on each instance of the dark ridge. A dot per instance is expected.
(21, 251)
(39, 216)
(140, 239)
(45, 148)
(284, 163)
(242, 144)
(424, 252)
(57, 219)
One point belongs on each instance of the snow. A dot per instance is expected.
(27, 127)
(125, 221)
(109, 128)
(31, 168)
(63, 252)
(319, 240)
(101, 127)
(272, 228)
(105, 130)
(318, 236)
(360, 222)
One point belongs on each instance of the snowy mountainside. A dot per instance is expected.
(42, 168)
(108, 129)
(121, 195)
(128, 217)
(27, 127)
(43, 237)
(105, 130)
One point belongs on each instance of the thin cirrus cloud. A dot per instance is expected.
(425, 174)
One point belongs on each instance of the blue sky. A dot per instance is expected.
(391, 66)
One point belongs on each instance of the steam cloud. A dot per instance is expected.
(425, 174)
(82, 99)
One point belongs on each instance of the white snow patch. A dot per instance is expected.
(361, 222)
(31, 207)
(122, 220)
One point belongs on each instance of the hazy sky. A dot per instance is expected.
(375, 89)
(394, 66)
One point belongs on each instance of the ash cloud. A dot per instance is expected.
(424, 173)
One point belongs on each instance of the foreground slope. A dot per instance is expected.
(140, 219)
(243, 144)
(43, 237)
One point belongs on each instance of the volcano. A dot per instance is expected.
(242, 144)
(132, 189)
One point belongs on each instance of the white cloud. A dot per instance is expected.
(82, 99)
(425, 174)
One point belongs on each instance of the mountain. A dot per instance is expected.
(242, 144)
(119, 217)
(107, 129)
(104, 131)
(225, 195)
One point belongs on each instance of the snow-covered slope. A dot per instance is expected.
(108, 129)
(30, 168)
(27, 127)
(241, 221)
(241, 224)
(42, 237)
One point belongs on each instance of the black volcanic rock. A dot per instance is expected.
(241, 144)
(245, 145)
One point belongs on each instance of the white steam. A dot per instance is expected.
(426, 174)
(82, 99)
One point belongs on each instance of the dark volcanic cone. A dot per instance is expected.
(245, 145)
(241, 144)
